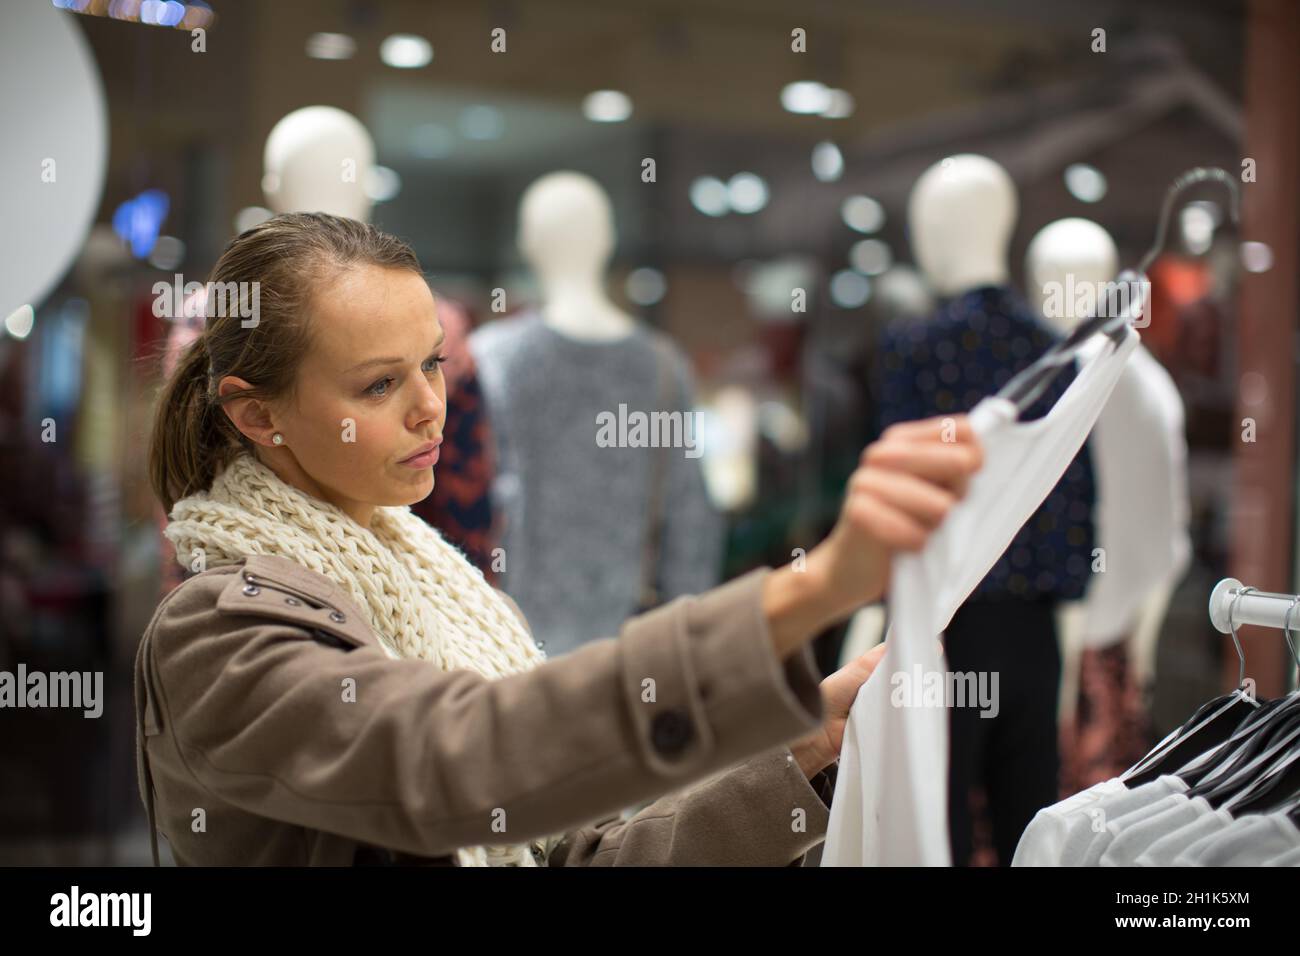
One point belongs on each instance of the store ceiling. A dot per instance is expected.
(712, 70)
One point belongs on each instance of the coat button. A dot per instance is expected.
(252, 590)
(670, 731)
(337, 617)
(292, 602)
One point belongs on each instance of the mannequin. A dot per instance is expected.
(317, 159)
(566, 234)
(961, 215)
(1138, 442)
(576, 542)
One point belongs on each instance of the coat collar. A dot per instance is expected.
(279, 588)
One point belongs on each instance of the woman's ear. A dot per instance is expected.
(252, 416)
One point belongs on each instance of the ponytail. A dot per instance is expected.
(192, 437)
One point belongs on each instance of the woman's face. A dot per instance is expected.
(370, 393)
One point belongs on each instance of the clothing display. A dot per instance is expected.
(1166, 848)
(421, 596)
(1135, 837)
(1155, 824)
(573, 512)
(1138, 443)
(1219, 796)
(1250, 840)
(974, 344)
(1102, 837)
(891, 797)
(946, 365)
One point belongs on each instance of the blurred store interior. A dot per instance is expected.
(773, 169)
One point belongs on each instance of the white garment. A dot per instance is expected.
(1092, 825)
(1289, 858)
(1138, 446)
(1135, 839)
(1103, 842)
(1164, 851)
(1044, 838)
(1249, 841)
(891, 798)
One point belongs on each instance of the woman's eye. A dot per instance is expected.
(380, 388)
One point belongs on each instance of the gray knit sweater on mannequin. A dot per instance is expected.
(573, 513)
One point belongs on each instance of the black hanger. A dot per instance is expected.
(1256, 772)
(1245, 732)
(1212, 725)
(1278, 788)
(1250, 762)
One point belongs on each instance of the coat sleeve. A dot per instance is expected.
(762, 812)
(400, 754)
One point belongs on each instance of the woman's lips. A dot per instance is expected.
(425, 460)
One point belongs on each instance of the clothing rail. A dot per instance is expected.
(1232, 603)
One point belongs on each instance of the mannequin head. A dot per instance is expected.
(566, 228)
(1064, 256)
(317, 159)
(961, 213)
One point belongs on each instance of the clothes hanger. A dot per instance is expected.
(1237, 765)
(1193, 177)
(1025, 388)
(1278, 785)
(1211, 726)
(1209, 765)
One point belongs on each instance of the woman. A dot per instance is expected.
(335, 684)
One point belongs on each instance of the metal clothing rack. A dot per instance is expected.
(1233, 604)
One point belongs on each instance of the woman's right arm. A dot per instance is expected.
(336, 736)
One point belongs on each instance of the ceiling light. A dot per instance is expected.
(406, 51)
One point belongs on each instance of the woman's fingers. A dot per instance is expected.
(871, 659)
(891, 528)
(949, 429)
(948, 465)
(942, 450)
(924, 502)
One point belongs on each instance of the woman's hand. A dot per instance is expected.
(903, 487)
(905, 484)
(822, 747)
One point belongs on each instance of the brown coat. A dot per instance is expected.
(242, 683)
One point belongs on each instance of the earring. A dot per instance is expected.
(277, 439)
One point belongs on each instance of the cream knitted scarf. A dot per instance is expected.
(422, 597)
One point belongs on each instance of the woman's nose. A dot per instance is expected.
(428, 403)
